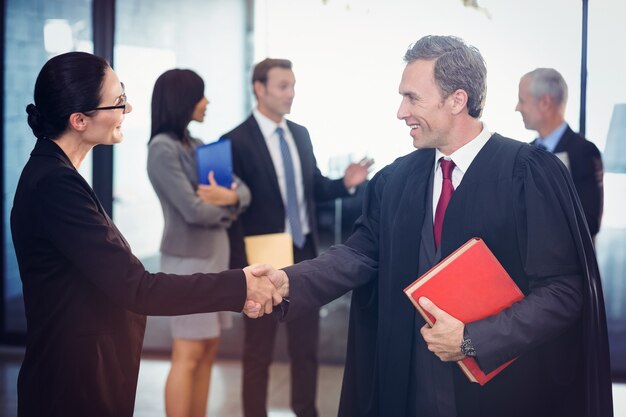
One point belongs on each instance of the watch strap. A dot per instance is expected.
(467, 348)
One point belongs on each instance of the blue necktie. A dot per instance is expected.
(293, 212)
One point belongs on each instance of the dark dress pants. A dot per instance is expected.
(302, 344)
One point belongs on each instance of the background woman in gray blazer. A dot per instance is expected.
(194, 235)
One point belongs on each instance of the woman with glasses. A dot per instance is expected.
(194, 237)
(85, 294)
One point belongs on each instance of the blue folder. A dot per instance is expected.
(216, 157)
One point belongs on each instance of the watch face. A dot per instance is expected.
(467, 349)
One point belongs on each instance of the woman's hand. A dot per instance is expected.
(216, 194)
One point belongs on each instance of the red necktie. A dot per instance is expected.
(447, 166)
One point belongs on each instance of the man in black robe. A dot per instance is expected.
(522, 203)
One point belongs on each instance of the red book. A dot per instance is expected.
(470, 284)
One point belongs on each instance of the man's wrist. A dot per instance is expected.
(282, 309)
(467, 348)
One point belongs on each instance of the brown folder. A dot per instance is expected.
(275, 249)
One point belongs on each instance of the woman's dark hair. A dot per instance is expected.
(67, 83)
(174, 98)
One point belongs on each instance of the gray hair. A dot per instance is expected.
(548, 82)
(457, 66)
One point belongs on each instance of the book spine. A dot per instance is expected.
(466, 370)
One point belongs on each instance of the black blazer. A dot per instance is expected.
(86, 295)
(253, 164)
(585, 163)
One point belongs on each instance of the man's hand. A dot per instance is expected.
(357, 173)
(261, 295)
(278, 277)
(445, 337)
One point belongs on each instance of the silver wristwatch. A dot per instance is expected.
(466, 346)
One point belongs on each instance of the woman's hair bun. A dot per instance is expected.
(34, 120)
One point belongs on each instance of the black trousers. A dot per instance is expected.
(302, 345)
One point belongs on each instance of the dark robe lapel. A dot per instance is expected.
(455, 219)
(406, 205)
(410, 216)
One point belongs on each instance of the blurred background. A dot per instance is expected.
(347, 59)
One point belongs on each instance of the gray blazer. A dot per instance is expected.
(192, 227)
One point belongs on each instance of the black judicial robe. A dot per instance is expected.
(523, 204)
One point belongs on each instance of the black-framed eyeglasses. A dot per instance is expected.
(121, 106)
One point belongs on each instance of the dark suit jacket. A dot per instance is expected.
(586, 169)
(519, 200)
(253, 164)
(86, 295)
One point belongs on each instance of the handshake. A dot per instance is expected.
(266, 287)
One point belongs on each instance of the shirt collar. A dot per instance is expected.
(552, 140)
(267, 125)
(464, 156)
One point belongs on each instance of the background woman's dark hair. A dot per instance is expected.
(174, 98)
(66, 84)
